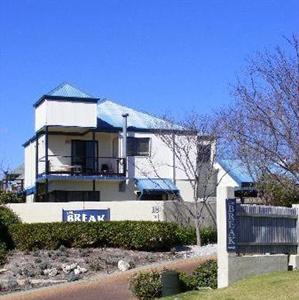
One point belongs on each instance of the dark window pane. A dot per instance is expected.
(204, 153)
(84, 155)
(138, 146)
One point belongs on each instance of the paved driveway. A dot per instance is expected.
(100, 287)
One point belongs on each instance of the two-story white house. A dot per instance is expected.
(90, 149)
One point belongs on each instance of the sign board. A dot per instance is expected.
(86, 215)
(231, 224)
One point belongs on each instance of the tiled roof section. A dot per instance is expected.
(110, 113)
(68, 90)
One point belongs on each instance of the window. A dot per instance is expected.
(84, 155)
(138, 146)
(204, 153)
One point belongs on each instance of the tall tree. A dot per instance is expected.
(261, 127)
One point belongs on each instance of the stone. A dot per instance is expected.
(3, 270)
(51, 272)
(79, 270)
(123, 265)
(68, 268)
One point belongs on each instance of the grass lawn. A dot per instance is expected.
(280, 285)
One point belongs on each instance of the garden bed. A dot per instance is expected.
(37, 268)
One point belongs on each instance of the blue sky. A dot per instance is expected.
(154, 55)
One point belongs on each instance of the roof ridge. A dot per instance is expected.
(127, 107)
(67, 85)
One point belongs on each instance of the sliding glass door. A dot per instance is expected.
(84, 154)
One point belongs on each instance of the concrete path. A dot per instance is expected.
(101, 287)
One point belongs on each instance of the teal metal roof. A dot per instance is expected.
(68, 90)
(110, 114)
(146, 185)
(237, 170)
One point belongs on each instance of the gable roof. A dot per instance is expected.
(237, 170)
(110, 115)
(66, 92)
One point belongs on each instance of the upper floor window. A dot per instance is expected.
(138, 146)
(204, 153)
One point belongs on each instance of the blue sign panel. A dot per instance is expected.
(231, 225)
(86, 215)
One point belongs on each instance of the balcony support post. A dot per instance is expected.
(124, 148)
(36, 165)
(46, 150)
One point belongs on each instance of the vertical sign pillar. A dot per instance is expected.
(223, 193)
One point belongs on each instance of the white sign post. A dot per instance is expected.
(223, 193)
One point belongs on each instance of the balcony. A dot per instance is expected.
(82, 166)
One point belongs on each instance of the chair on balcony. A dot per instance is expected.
(106, 169)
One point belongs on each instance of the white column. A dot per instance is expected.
(223, 193)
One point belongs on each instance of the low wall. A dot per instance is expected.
(119, 210)
(171, 211)
(243, 266)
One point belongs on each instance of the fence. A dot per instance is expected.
(266, 229)
(242, 230)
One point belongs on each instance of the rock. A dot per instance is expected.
(123, 265)
(51, 272)
(3, 270)
(68, 268)
(79, 270)
(9, 283)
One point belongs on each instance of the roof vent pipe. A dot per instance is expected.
(125, 125)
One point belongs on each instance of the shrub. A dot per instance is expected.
(187, 235)
(3, 250)
(208, 235)
(149, 285)
(7, 218)
(137, 235)
(205, 275)
(10, 197)
(146, 285)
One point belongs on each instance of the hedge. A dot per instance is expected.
(7, 218)
(136, 235)
(10, 197)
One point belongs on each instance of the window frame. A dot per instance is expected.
(138, 154)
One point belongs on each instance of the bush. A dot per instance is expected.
(208, 235)
(3, 250)
(187, 236)
(146, 285)
(137, 235)
(205, 275)
(7, 218)
(10, 197)
(149, 285)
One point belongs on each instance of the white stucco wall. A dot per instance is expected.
(41, 116)
(224, 179)
(119, 210)
(29, 165)
(66, 113)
